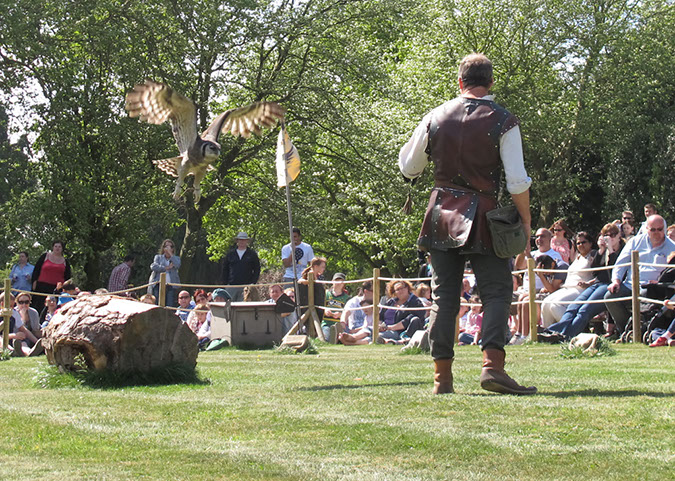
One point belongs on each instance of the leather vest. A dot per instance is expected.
(464, 147)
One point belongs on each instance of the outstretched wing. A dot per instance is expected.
(245, 120)
(156, 103)
(169, 166)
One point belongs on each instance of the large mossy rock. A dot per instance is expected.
(108, 332)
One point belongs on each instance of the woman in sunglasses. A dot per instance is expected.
(561, 242)
(577, 316)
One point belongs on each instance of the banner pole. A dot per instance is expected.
(290, 228)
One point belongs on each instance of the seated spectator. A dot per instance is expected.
(148, 299)
(653, 248)
(671, 232)
(67, 292)
(29, 316)
(23, 342)
(317, 266)
(561, 241)
(575, 283)
(423, 292)
(336, 298)
(665, 337)
(353, 313)
(463, 315)
(199, 322)
(360, 327)
(185, 305)
(288, 319)
(550, 282)
(21, 274)
(577, 316)
(221, 295)
(400, 324)
(474, 323)
(466, 289)
(48, 311)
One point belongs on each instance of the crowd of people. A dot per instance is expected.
(562, 286)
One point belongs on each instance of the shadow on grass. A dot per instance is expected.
(49, 377)
(588, 393)
(603, 393)
(360, 386)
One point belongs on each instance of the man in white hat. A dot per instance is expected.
(241, 267)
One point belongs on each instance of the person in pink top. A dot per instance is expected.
(51, 269)
(561, 242)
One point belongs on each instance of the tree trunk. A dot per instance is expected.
(108, 332)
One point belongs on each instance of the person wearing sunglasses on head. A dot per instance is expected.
(577, 316)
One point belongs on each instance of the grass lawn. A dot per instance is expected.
(350, 413)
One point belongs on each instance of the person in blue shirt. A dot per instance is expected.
(21, 273)
(654, 248)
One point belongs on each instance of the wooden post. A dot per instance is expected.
(376, 301)
(532, 291)
(637, 330)
(6, 315)
(161, 302)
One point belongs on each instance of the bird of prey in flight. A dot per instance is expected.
(156, 103)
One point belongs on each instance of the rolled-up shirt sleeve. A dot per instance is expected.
(511, 152)
(412, 159)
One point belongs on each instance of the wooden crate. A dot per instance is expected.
(246, 323)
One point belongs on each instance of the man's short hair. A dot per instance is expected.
(475, 70)
(296, 231)
(651, 206)
(367, 286)
(129, 257)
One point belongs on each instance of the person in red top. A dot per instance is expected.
(50, 269)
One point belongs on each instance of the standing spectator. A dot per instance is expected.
(650, 210)
(303, 254)
(470, 139)
(241, 267)
(51, 269)
(185, 305)
(336, 298)
(166, 261)
(119, 277)
(21, 274)
(653, 248)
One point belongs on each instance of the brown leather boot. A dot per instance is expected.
(494, 378)
(443, 377)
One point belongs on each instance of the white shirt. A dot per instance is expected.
(307, 253)
(413, 159)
